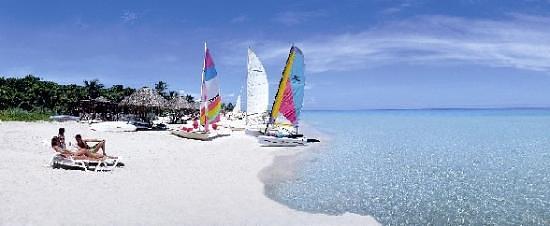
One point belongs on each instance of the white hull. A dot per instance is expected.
(237, 125)
(237, 128)
(281, 141)
(253, 132)
(255, 129)
(196, 135)
(113, 127)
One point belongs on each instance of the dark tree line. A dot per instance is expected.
(30, 93)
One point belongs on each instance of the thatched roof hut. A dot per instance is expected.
(178, 103)
(144, 97)
(99, 107)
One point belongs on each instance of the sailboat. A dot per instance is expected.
(237, 108)
(257, 95)
(237, 122)
(210, 106)
(282, 129)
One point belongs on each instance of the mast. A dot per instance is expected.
(247, 81)
(204, 92)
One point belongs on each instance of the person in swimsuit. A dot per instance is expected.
(56, 145)
(61, 137)
(84, 147)
(80, 154)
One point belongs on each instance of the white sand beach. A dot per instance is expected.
(167, 180)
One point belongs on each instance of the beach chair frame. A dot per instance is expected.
(85, 164)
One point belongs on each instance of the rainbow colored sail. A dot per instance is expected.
(211, 100)
(290, 95)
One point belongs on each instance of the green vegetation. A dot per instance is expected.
(29, 98)
(22, 115)
(31, 94)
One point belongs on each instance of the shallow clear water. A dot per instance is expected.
(428, 167)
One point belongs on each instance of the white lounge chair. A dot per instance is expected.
(60, 161)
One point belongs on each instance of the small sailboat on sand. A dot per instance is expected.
(210, 103)
(237, 122)
(282, 129)
(237, 108)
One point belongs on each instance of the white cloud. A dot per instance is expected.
(290, 18)
(193, 94)
(239, 19)
(520, 41)
(399, 8)
(128, 16)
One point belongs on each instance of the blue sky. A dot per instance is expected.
(359, 54)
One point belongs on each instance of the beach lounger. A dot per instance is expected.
(61, 162)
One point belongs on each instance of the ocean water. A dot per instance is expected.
(427, 167)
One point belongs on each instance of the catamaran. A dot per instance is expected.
(237, 122)
(257, 95)
(210, 102)
(282, 129)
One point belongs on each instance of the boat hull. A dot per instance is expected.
(271, 141)
(195, 135)
(113, 127)
(254, 132)
(237, 128)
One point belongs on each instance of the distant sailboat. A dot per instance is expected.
(210, 106)
(237, 108)
(257, 95)
(285, 113)
(237, 122)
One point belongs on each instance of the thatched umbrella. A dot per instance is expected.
(179, 103)
(180, 107)
(100, 105)
(144, 98)
(144, 101)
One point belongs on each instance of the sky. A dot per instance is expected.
(359, 54)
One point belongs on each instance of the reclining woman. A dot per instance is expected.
(57, 146)
(84, 147)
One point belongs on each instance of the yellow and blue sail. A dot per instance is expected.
(290, 94)
(210, 92)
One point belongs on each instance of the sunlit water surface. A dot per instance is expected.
(427, 167)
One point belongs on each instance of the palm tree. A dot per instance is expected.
(189, 98)
(229, 107)
(161, 87)
(172, 94)
(93, 88)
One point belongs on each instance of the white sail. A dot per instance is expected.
(237, 108)
(257, 87)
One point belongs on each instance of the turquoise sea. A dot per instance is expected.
(419, 167)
